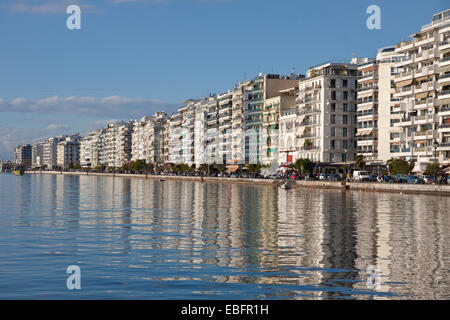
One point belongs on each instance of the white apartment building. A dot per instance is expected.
(37, 154)
(273, 107)
(212, 130)
(68, 151)
(238, 116)
(116, 144)
(224, 147)
(90, 148)
(188, 132)
(377, 106)
(49, 151)
(423, 90)
(200, 132)
(175, 138)
(326, 113)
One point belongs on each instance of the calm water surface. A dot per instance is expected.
(145, 239)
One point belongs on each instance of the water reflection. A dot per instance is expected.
(150, 239)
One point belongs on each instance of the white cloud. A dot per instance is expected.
(46, 6)
(113, 106)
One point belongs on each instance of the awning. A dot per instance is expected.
(430, 93)
(445, 171)
(404, 83)
(421, 95)
(231, 169)
(359, 133)
(444, 69)
(367, 133)
(423, 78)
(443, 102)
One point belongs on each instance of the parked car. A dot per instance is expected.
(401, 178)
(361, 175)
(323, 177)
(373, 178)
(272, 176)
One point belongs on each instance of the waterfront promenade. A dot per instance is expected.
(443, 190)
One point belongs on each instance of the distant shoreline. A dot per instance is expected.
(441, 190)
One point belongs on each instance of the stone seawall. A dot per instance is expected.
(350, 186)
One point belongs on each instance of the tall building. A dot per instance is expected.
(49, 151)
(116, 144)
(37, 154)
(225, 108)
(424, 92)
(175, 138)
(326, 113)
(90, 148)
(271, 124)
(377, 107)
(262, 88)
(68, 152)
(187, 151)
(22, 155)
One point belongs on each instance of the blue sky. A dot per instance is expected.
(134, 57)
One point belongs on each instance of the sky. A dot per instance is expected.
(134, 57)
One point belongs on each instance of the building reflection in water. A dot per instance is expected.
(317, 243)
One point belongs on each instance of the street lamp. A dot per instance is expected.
(435, 145)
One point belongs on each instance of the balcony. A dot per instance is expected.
(444, 146)
(444, 94)
(445, 127)
(445, 111)
(424, 103)
(444, 45)
(444, 62)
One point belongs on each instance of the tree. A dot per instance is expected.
(77, 166)
(400, 166)
(70, 166)
(254, 168)
(203, 167)
(359, 161)
(139, 165)
(303, 166)
(432, 169)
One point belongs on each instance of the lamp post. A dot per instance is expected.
(435, 145)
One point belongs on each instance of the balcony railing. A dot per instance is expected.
(445, 59)
(444, 126)
(443, 93)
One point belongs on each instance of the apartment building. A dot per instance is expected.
(5, 165)
(423, 90)
(377, 113)
(175, 138)
(262, 88)
(22, 155)
(200, 127)
(90, 148)
(225, 112)
(187, 113)
(273, 107)
(68, 152)
(49, 151)
(116, 144)
(37, 154)
(326, 113)
(212, 130)
(240, 98)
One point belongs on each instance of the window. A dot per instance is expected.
(345, 144)
(345, 119)
(333, 95)
(333, 119)
(344, 132)
(333, 83)
(333, 107)
(345, 107)
(333, 131)
(344, 83)
(332, 144)
(345, 95)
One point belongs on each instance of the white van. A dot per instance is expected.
(361, 176)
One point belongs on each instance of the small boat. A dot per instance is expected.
(18, 172)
